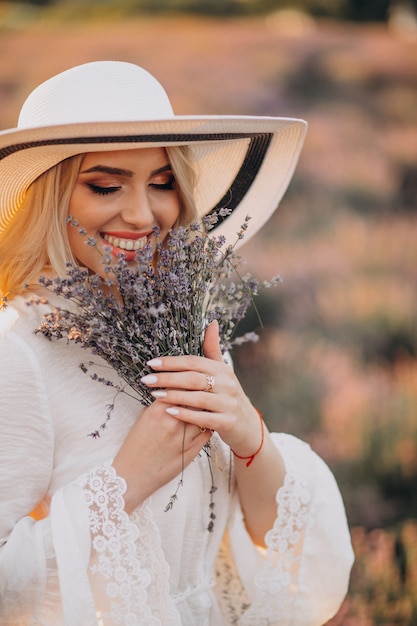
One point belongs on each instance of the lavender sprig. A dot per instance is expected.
(161, 309)
(161, 306)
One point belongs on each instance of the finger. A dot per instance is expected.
(196, 427)
(191, 381)
(184, 363)
(194, 434)
(211, 343)
(172, 428)
(205, 421)
(195, 400)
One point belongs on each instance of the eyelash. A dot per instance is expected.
(105, 191)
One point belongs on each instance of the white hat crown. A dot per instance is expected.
(101, 91)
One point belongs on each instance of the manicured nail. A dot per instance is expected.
(159, 393)
(149, 379)
(154, 363)
(172, 410)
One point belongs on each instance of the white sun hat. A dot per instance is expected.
(243, 163)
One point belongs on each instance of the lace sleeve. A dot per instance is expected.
(277, 581)
(302, 576)
(127, 570)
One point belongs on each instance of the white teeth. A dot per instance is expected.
(126, 244)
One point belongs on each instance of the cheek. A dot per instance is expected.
(175, 210)
(74, 239)
(88, 221)
(83, 207)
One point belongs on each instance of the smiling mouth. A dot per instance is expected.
(124, 243)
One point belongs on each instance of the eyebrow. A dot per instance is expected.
(116, 171)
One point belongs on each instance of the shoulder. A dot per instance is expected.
(19, 344)
(22, 313)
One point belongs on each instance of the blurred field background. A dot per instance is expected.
(337, 360)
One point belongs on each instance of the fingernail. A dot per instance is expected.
(149, 379)
(172, 410)
(154, 363)
(158, 393)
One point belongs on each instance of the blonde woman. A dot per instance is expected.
(84, 538)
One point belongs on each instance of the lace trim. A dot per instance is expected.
(124, 562)
(277, 582)
(129, 574)
(153, 561)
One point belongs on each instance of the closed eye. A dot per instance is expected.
(102, 191)
(168, 185)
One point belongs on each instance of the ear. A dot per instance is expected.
(211, 343)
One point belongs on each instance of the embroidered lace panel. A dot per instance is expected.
(231, 595)
(128, 571)
(128, 562)
(277, 581)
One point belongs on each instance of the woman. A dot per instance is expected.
(84, 537)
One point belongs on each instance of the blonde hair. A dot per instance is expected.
(180, 160)
(37, 238)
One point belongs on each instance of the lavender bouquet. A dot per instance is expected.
(158, 308)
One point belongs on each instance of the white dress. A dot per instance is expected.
(87, 563)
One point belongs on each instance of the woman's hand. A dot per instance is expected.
(154, 452)
(201, 394)
(194, 396)
(205, 392)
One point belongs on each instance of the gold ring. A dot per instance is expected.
(210, 382)
(202, 429)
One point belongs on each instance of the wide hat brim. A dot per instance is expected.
(242, 163)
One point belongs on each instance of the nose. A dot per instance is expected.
(137, 210)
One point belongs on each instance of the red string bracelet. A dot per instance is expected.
(252, 456)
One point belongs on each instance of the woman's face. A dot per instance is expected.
(118, 199)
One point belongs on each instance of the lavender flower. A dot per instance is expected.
(162, 309)
(161, 306)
